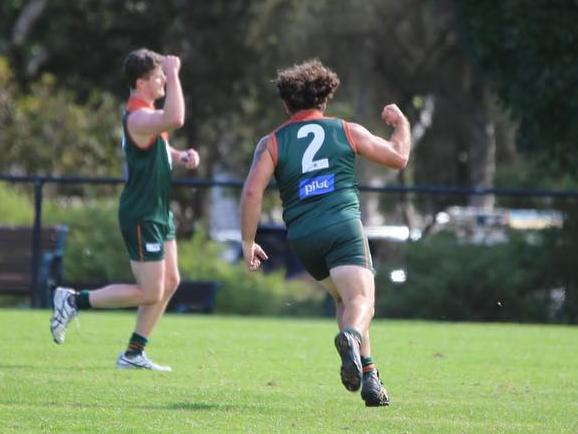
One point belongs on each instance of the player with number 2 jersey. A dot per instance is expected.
(312, 158)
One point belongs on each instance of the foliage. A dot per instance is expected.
(528, 52)
(536, 171)
(243, 292)
(95, 253)
(46, 132)
(16, 208)
(452, 280)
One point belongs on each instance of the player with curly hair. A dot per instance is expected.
(312, 157)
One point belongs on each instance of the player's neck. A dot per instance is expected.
(312, 113)
(142, 98)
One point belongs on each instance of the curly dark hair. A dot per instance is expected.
(307, 85)
(139, 64)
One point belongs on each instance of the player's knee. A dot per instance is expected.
(152, 298)
(171, 284)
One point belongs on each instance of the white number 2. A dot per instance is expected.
(307, 163)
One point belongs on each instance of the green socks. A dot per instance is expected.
(367, 364)
(136, 345)
(82, 300)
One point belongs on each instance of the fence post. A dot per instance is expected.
(37, 298)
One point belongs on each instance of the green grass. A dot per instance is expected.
(240, 374)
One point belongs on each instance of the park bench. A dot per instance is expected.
(17, 258)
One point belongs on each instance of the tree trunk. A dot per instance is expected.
(481, 140)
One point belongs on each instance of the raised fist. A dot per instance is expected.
(391, 115)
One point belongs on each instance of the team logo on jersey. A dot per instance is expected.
(153, 247)
(315, 186)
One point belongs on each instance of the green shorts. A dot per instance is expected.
(145, 241)
(339, 244)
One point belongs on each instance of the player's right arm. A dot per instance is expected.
(146, 123)
(251, 202)
(393, 153)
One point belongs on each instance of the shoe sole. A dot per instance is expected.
(375, 402)
(350, 362)
(57, 303)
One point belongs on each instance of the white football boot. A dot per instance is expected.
(140, 361)
(64, 311)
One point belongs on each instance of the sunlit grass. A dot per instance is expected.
(240, 374)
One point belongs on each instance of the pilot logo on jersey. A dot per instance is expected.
(316, 186)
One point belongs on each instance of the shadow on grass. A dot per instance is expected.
(186, 406)
(201, 406)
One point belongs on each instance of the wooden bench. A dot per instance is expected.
(16, 261)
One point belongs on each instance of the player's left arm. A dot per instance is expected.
(259, 176)
(189, 158)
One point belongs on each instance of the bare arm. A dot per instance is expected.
(251, 202)
(392, 153)
(146, 123)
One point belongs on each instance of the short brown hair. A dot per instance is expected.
(307, 85)
(139, 63)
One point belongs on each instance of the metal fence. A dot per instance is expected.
(431, 198)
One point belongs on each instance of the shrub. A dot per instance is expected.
(452, 280)
(16, 208)
(244, 292)
(95, 252)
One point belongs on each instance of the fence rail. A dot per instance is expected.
(208, 183)
(39, 182)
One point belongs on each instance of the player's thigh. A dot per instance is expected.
(353, 281)
(150, 277)
(331, 289)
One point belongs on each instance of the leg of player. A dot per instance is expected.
(149, 315)
(352, 317)
(151, 277)
(339, 309)
(356, 288)
(67, 303)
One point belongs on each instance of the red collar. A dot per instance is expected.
(135, 103)
(305, 115)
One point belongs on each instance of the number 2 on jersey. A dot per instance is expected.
(308, 164)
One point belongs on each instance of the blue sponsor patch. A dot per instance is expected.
(315, 186)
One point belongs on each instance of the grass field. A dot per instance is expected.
(238, 374)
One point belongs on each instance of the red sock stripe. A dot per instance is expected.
(369, 368)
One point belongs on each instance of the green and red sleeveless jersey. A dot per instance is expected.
(146, 193)
(315, 172)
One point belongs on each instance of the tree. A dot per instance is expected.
(45, 132)
(527, 52)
